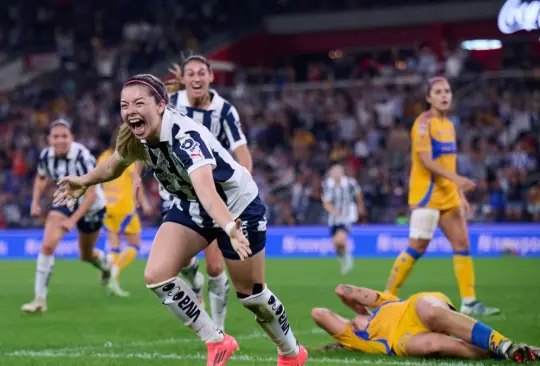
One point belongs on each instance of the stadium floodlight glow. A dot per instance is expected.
(481, 44)
(516, 15)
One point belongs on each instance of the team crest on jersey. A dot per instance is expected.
(423, 127)
(193, 148)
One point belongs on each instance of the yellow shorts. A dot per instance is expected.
(125, 224)
(410, 324)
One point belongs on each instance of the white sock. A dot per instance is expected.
(271, 316)
(44, 268)
(218, 293)
(115, 272)
(183, 303)
(468, 300)
(189, 271)
(101, 262)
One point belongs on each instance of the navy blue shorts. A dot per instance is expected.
(253, 227)
(335, 228)
(87, 224)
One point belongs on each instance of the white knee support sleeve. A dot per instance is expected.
(423, 223)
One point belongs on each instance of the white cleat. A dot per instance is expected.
(38, 305)
(115, 289)
(477, 308)
(347, 265)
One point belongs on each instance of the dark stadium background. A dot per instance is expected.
(314, 81)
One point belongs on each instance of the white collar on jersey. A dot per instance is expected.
(342, 182)
(215, 105)
(73, 151)
(166, 125)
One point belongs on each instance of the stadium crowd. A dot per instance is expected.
(294, 131)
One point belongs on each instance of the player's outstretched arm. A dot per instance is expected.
(71, 188)
(205, 189)
(358, 298)
(107, 170)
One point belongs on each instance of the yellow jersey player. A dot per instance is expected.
(424, 325)
(436, 197)
(122, 218)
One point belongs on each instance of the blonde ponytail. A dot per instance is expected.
(129, 147)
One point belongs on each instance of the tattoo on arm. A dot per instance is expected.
(347, 290)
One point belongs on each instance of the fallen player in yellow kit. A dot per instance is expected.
(425, 325)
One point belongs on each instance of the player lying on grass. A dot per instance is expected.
(426, 325)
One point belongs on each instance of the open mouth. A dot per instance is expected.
(197, 88)
(137, 125)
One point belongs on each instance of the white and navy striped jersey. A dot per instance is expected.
(78, 161)
(186, 145)
(342, 195)
(221, 118)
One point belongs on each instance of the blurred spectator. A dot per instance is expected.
(295, 131)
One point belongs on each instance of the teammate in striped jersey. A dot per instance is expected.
(211, 191)
(207, 107)
(62, 158)
(342, 198)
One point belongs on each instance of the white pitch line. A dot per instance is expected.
(244, 358)
(108, 344)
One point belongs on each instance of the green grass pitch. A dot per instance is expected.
(83, 326)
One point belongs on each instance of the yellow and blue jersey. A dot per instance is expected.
(389, 327)
(437, 136)
(121, 208)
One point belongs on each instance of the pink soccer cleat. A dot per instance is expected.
(298, 360)
(220, 352)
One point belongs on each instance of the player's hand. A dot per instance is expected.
(465, 184)
(35, 209)
(68, 225)
(70, 189)
(239, 242)
(466, 207)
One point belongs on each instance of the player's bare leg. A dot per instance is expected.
(248, 280)
(454, 226)
(121, 260)
(436, 315)
(441, 345)
(52, 235)
(340, 244)
(404, 264)
(218, 284)
(166, 259)
(96, 257)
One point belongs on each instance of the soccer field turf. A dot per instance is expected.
(83, 326)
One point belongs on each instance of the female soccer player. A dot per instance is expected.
(344, 201)
(122, 218)
(207, 107)
(65, 157)
(421, 326)
(436, 196)
(212, 191)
